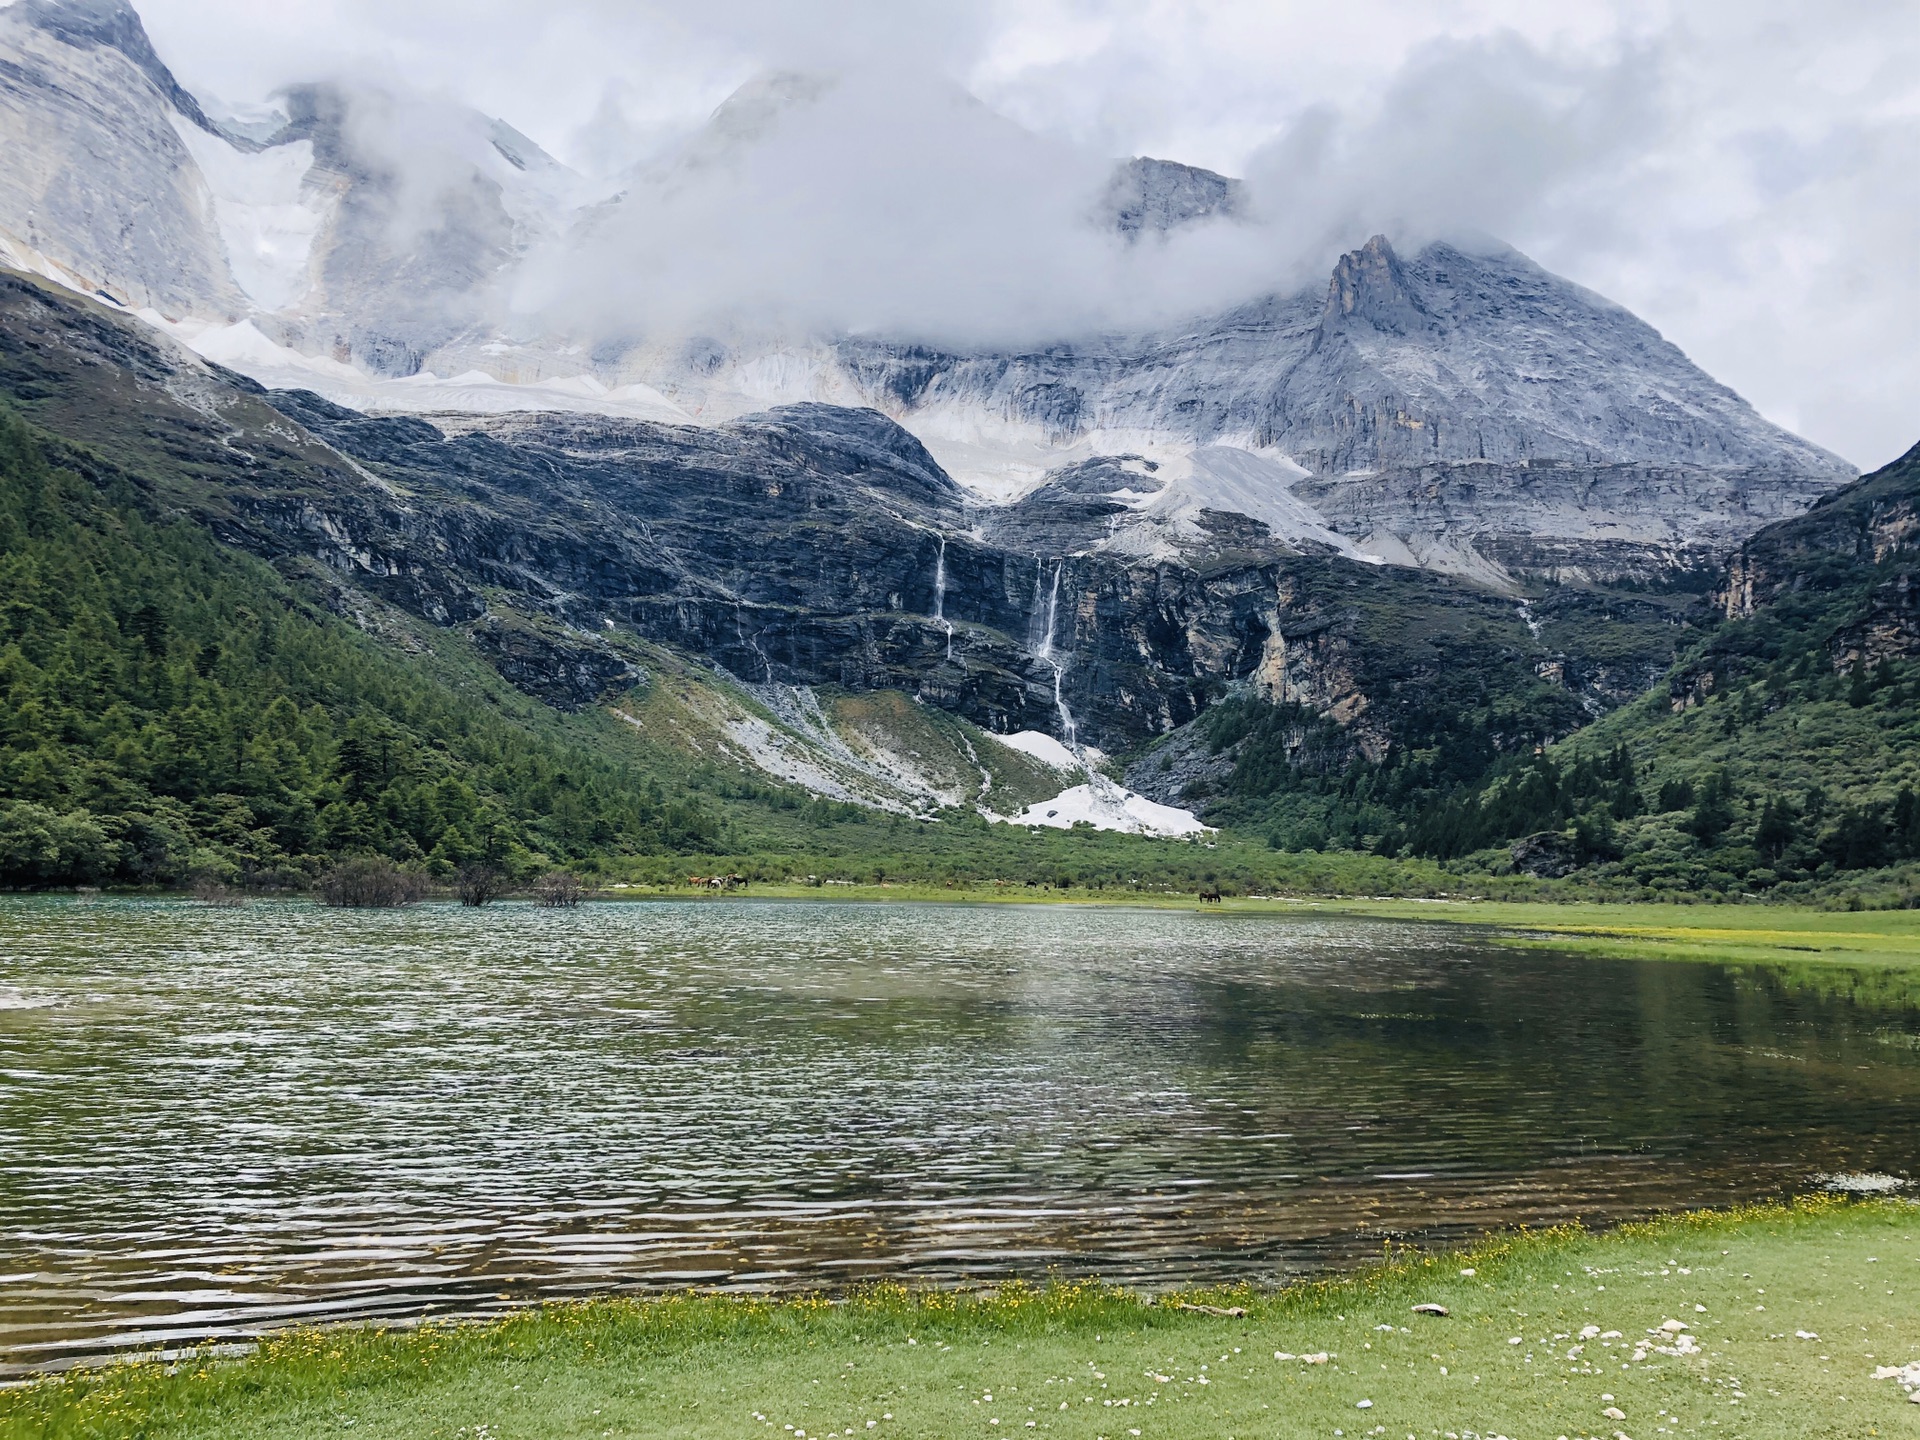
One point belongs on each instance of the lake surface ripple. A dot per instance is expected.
(217, 1122)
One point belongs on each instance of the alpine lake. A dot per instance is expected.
(217, 1122)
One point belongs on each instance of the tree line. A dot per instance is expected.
(170, 708)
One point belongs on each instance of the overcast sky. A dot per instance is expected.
(1745, 174)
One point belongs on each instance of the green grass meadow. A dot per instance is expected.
(1721, 933)
(1787, 1314)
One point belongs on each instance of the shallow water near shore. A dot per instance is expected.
(214, 1122)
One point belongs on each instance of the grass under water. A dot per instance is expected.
(1789, 1312)
(1730, 933)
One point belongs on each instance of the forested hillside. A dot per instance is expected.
(1782, 754)
(168, 706)
(172, 708)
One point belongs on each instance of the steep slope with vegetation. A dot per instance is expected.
(1784, 751)
(808, 546)
(248, 634)
(169, 706)
(1781, 754)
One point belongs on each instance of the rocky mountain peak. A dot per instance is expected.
(1161, 195)
(1370, 285)
(865, 443)
(114, 25)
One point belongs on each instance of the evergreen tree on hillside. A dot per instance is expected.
(1712, 810)
(168, 706)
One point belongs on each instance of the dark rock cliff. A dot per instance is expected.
(802, 545)
(1875, 521)
(1867, 534)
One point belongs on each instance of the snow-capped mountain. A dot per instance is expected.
(1455, 408)
(343, 222)
(99, 185)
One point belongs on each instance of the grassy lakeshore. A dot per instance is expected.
(1722, 933)
(1788, 1313)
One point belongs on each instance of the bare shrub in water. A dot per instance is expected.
(477, 885)
(212, 890)
(560, 889)
(370, 884)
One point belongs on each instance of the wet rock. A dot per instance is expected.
(565, 672)
(1549, 856)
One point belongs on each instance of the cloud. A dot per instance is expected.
(880, 200)
(886, 199)
(1739, 172)
(1484, 135)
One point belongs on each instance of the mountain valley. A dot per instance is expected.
(1345, 566)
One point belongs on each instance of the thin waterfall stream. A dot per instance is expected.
(1070, 732)
(1103, 801)
(940, 595)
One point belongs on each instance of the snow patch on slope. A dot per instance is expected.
(1041, 747)
(267, 217)
(1231, 480)
(247, 349)
(1099, 803)
(1106, 806)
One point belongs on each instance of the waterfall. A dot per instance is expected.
(1070, 732)
(940, 595)
(1109, 804)
(752, 642)
(1053, 615)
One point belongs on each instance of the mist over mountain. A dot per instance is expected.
(863, 386)
(878, 203)
(873, 235)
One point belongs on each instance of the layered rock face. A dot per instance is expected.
(1571, 522)
(1444, 357)
(808, 545)
(97, 183)
(1457, 409)
(1461, 410)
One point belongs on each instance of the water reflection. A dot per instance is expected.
(216, 1121)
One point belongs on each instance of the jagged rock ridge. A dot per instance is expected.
(1458, 408)
(806, 546)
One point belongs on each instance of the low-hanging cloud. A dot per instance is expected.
(890, 201)
(1739, 172)
(880, 202)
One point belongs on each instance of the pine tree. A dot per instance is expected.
(1713, 810)
(1777, 830)
(1859, 691)
(1906, 822)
